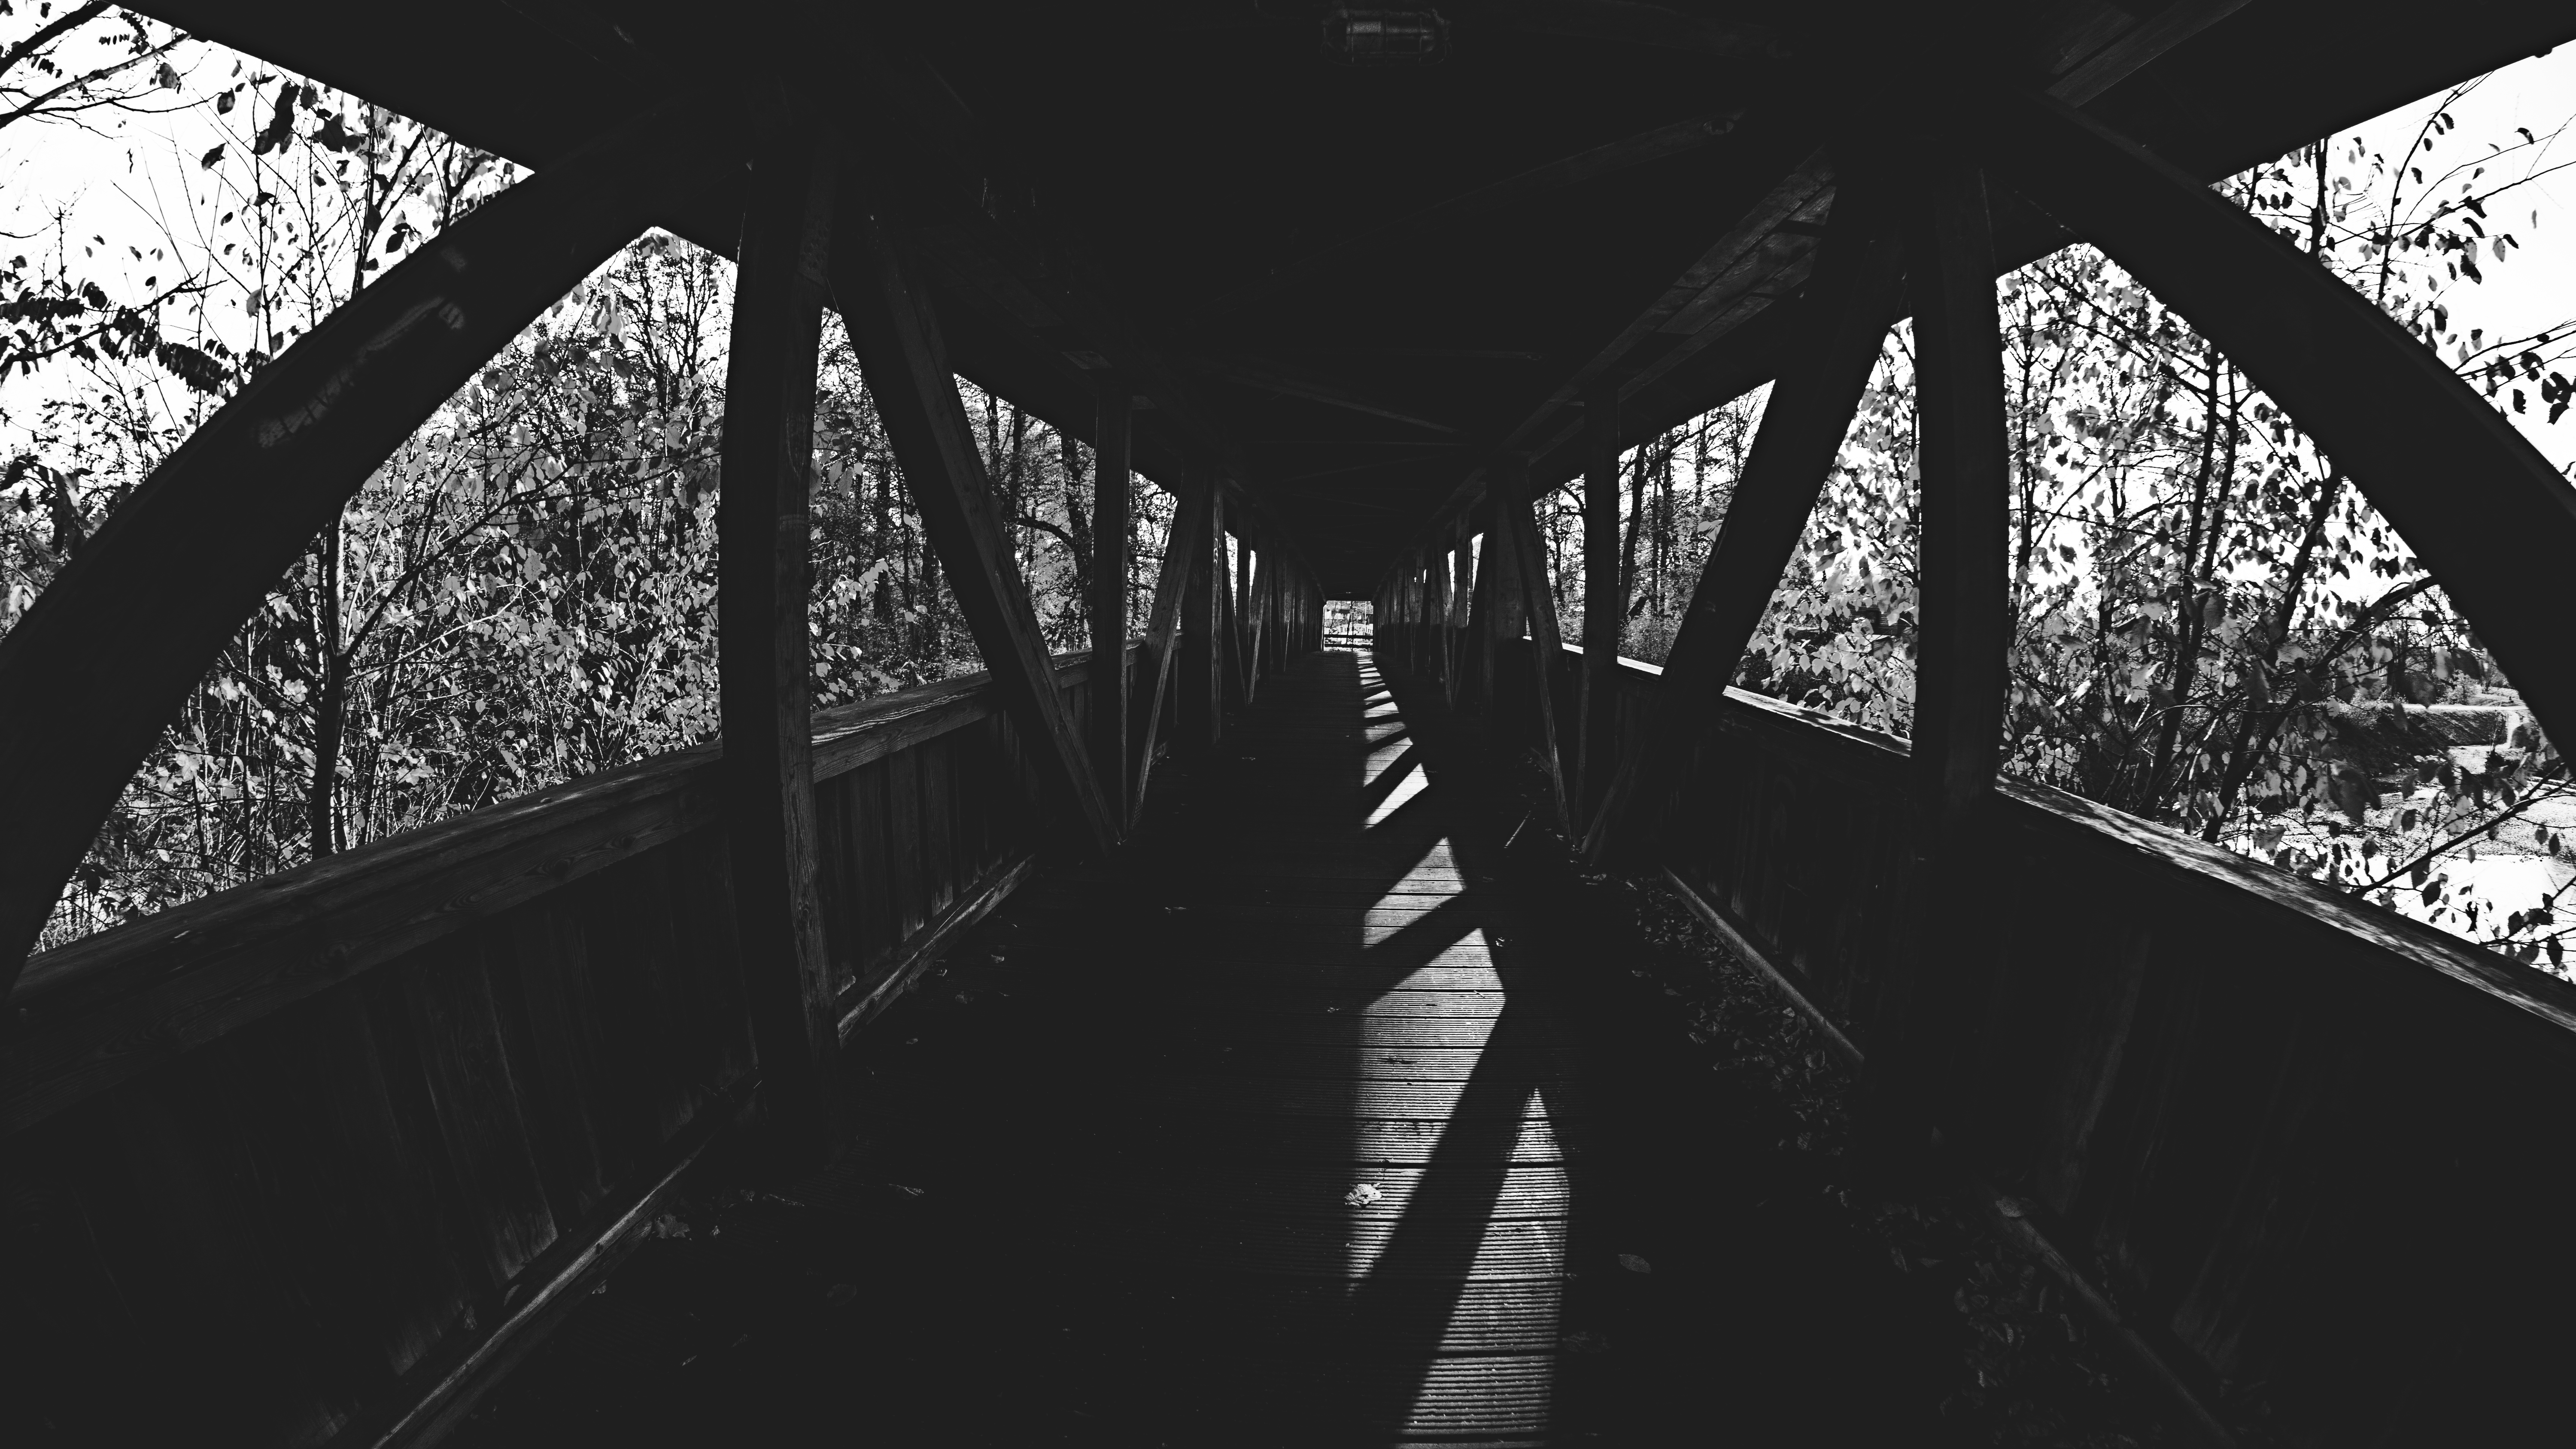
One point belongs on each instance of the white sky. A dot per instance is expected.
(2536, 287)
(109, 180)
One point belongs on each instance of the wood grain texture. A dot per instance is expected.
(1605, 605)
(1184, 548)
(764, 651)
(1112, 466)
(885, 307)
(1925, 1010)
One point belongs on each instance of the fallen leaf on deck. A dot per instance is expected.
(1635, 1264)
(1362, 1195)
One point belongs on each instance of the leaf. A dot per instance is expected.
(211, 157)
(1635, 1264)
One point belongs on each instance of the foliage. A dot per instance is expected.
(2211, 627)
(525, 592)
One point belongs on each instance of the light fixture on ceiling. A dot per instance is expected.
(1413, 36)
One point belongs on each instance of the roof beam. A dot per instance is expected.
(1655, 144)
(1280, 384)
(995, 240)
(1765, 257)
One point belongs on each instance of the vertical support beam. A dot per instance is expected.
(1185, 552)
(1538, 605)
(1242, 596)
(1431, 599)
(1932, 996)
(763, 665)
(1109, 529)
(1603, 603)
(1506, 602)
(897, 340)
(1478, 647)
(1853, 293)
(1261, 643)
(1435, 616)
(1282, 627)
(1462, 592)
(1236, 674)
(1203, 626)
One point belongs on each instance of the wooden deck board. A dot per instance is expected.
(1357, 1106)
(1275, 1129)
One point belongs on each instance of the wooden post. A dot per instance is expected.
(1853, 293)
(1538, 605)
(1109, 528)
(1462, 593)
(1242, 596)
(897, 340)
(1435, 616)
(1276, 603)
(1235, 676)
(1261, 644)
(1185, 550)
(762, 650)
(1203, 625)
(1932, 995)
(1506, 599)
(1479, 645)
(1603, 602)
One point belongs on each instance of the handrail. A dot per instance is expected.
(2203, 1089)
(105, 1009)
(2527, 989)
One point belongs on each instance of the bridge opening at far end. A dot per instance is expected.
(1347, 623)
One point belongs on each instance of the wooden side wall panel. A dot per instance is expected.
(2217, 1090)
(305, 1225)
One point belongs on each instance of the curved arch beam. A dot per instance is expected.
(94, 672)
(2492, 521)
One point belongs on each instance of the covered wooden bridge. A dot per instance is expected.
(323, 1158)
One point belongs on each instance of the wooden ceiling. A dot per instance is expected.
(1345, 288)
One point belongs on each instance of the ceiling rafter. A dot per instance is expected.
(1727, 288)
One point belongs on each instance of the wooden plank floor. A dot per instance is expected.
(1301, 1122)
(1362, 1088)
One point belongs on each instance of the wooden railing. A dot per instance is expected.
(2309, 1157)
(308, 1160)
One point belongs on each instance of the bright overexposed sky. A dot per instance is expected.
(114, 179)
(2536, 286)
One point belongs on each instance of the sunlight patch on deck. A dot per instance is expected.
(1413, 783)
